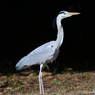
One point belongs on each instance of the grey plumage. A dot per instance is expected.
(34, 57)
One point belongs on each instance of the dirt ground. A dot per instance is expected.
(63, 83)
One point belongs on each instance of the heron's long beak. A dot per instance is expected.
(73, 13)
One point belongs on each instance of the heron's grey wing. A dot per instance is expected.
(39, 55)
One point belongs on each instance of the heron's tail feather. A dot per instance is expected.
(21, 63)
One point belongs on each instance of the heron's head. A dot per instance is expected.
(65, 14)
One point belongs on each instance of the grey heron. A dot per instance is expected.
(47, 52)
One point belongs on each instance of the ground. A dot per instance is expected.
(62, 83)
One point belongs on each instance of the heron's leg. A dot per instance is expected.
(42, 83)
(40, 80)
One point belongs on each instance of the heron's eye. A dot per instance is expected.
(64, 13)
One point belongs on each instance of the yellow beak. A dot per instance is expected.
(73, 13)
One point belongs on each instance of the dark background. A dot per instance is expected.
(25, 25)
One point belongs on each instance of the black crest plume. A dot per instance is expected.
(54, 21)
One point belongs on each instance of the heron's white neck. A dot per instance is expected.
(60, 34)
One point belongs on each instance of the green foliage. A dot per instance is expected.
(60, 87)
(20, 86)
(14, 75)
(5, 77)
(61, 75)
(37, 80)
(35, 87)
(55, 76)
(68, 88)
(68, 69)
(10, 92)
(32, 77)
(84, 74)
(19, 81)
(34, 74)
(8, 80)
(14, 84)
(75, 74)
(56, 82)
(43, 72)
(47, 67)
(69, 82)
(54, 93)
